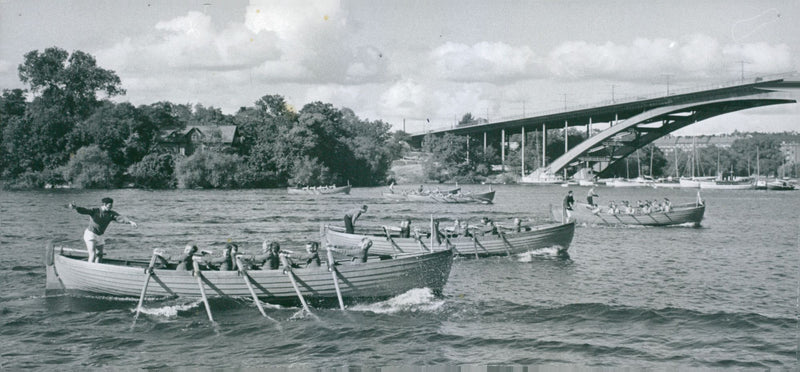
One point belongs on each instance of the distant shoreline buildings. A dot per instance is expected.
(790, 147)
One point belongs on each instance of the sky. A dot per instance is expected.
(419, 65)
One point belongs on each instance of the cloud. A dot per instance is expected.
(483, 61)
(5, 66)
(276, 42)
(190, 42)
(696, 56)
(762, 58)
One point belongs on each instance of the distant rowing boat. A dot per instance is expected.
(442, 197)
(727, 185)
(779, 186)
(504, 243)
(319, 190)
(679, 214)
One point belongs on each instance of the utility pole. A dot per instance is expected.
(741, 63)
(668, 76)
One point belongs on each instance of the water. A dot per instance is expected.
(721, 296)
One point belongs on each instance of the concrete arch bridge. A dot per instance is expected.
(633, 124)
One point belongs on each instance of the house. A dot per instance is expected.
(668, 144)
(192, 138)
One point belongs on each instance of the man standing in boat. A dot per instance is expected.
(567, 205)
(99, 218)
(351, 217)
(590, 197)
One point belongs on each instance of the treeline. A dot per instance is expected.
(66, 134)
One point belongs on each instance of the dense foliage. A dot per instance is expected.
(66, 134)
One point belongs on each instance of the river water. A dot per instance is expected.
(724, 295)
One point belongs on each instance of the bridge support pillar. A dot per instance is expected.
(544, 144)
(522, 157)
(566, 146)
(503, 147)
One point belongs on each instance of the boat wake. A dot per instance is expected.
(170, 311)
(415, 300)
(529, 256)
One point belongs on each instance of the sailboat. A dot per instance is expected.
(759, 184)
(722, 184)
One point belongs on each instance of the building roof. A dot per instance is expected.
(227, 132)
(701, 141)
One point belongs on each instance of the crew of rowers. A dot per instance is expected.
(641, 207)
(326, 187)
(268, 259)
(486, 226)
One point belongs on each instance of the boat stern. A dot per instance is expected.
(53, 285)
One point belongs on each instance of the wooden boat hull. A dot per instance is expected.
(680, 214)
(485, 197)
(628, 183)
(726, 186)
(545, 236)
(319, 190)
(779, 186)
(72, 274)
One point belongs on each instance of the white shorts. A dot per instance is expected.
(89, 236)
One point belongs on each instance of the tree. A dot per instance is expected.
(449, 159)
(65, 88)
(155, 171)
(208, 169)
(120, 130)
(91, 168)
(69, 81)
(467, 119)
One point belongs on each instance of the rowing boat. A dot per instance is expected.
(503, 243)
(679, 214)
(69, 272)
(319, 190)
(440, 197)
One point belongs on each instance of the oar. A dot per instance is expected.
(288, 269)
(447, 240)
(148, 272)
(197, 275)
(389, 238)
(474, 242)
(249, 285)
(507, 245)
(332, 269)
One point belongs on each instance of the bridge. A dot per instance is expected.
(633, 123)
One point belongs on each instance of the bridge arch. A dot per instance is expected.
(623, 138)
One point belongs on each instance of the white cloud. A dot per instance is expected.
(483, 61)
(762, 58)
(409, 99)
(189, 43)
(697, 56)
